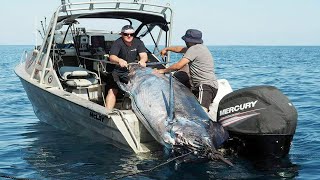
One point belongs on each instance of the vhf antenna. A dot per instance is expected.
(45, 23)
(40, 33)
(44, 32)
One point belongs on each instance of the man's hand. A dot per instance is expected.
(160, 71)
(123, 63)
(164, 52)
(142, 63)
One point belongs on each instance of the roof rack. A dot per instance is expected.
(69, 8)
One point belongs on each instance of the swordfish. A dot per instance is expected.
(189, 128)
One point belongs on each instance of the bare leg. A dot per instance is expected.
(111, 99)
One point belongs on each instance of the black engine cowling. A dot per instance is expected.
(261, 121)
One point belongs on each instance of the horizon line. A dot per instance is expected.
(205, 44)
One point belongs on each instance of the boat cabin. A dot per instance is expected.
(74, 54)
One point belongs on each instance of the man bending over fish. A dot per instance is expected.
(123, 51)
(200, 60)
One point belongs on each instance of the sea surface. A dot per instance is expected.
(30, 149)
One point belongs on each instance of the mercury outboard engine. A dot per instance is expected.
(261, 121)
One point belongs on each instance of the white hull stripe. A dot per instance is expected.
(237, 119)
(239, 114)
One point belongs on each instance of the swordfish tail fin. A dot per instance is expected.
(216, 155)
(218, 134)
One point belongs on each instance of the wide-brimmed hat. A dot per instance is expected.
(193, 36)
(127, 29)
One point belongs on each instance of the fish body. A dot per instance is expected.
(189, 130)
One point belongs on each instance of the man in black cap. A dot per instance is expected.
(201, 66)
(126, 49)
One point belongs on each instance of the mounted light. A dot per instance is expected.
(64, 9)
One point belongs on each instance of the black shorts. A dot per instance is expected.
(111, 83)
(205, 94)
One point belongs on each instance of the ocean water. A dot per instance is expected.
(30, 149)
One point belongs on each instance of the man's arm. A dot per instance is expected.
(176, 49)
(114, 52)
(143, 59)
(174, 67)
(116, 59)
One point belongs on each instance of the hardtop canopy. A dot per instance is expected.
(144, 18)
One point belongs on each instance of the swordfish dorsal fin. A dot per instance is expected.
(171, 100)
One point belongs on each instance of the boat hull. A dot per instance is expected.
(76, 115)
(60, 113)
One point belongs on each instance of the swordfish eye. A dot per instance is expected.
(179, 138)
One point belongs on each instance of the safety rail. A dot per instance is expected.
(118, 5)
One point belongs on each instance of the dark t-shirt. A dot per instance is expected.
(128, 53)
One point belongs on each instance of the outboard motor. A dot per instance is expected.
(261, 121)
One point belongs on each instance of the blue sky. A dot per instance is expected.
(223, 22)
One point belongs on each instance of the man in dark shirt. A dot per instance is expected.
(126, 49)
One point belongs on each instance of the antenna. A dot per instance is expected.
(44, 32)
(45, 23)
(35, 32)
(40, 33)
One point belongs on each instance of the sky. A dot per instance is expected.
(222, 22)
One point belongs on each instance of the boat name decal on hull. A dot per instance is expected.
(96, 116)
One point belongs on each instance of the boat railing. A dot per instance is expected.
(118, 5)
